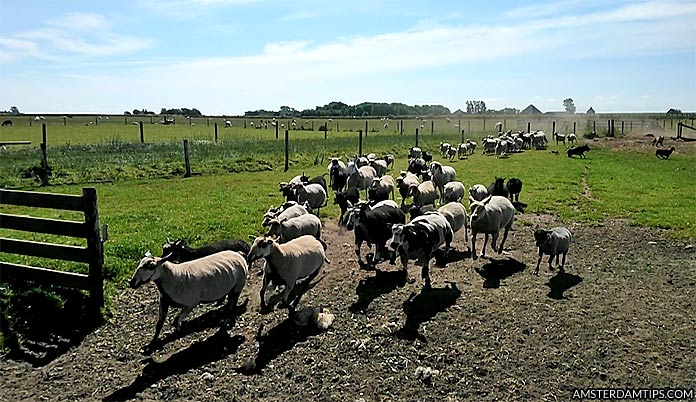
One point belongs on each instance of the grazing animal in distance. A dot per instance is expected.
(7, 122)
(664, 153)
(580, 151)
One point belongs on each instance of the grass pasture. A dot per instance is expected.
(608, 317)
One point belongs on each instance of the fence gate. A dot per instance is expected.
(92, 255)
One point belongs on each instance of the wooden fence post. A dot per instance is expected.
(337, 129)
(622, 126)
(462, 141)
(287, 147)
(484, 124)
(244, 123)
(216, 132)
(44, 156)
(151, 122)
(553, 128)
(326, 129)
(529, 126)
(208, 120)
(416, 137)
(459, 125)
(360, 134)
(432, 127)
(142, 133)
(95, 249)
(187, 160)
(96, 121)
(504, 124)
(366, 127)
(594, 126)
(125, 120)
(401, 130)
(30, 122)
(312, 128)
(276, 131)
(574, 124)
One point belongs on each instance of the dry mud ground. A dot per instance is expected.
(623, 315)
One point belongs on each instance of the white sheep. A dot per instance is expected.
(424, 193)
(292, 228)
(477, 192)
(228, 123)
(380, 166)
(188, 284)
(552, 242)
(297, 260)
(292, 210)
(455, 213)
(441, 176)
(362, 178)
(489, 217)
(313, 193)
(453, 191)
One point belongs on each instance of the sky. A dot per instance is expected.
(225, 57)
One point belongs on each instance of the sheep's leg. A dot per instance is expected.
(262, 292)
(163, 309)
(563, 263)
(536, 271)
(425, 273)
(186, 310)
(494, 241)
(231, 309)
(404, 267)
(502, 243)
(304, 288)
(551, 262)
(474, 256)
(485, 242)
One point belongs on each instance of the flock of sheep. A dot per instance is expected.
(293, 249)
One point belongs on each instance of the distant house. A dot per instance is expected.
(590, 110)
(531, 109)
(459, 113)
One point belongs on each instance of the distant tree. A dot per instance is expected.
(569, 105)
(674, 111)
(14, 110)
(127, 113)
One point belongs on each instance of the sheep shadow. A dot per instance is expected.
(519, 206)
(210, 319)
(423, 307)
(42, 323)
(495, 271)
(373, 287)
(561, 282)
(453, 255)
(277, 341)
(216, 347)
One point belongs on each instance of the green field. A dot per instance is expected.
(144, 198)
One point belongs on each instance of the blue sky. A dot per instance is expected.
(231, 56)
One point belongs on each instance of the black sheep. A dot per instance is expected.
(178, 251)
(580, 151)
(417, 166)
(315, 180)
(374, 227)
(514, 187)
(498, 187)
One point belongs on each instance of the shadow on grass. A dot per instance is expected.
(373, 287)
(216, 347)
(424, 306)
(561, 282)
(209, 319)
(40, 323)
(496, 270)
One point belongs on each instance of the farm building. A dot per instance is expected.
(531, 109)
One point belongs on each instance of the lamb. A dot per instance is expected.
(423, 193)
(291, 211)
(444, 148)
(489, 217)
(362, 178)
(404, 183)
(478, 192)
(380, 166)
(454, 212)
(188, 284)
(381, 188)
(572, 138)
(498, 187)
(389, 158)
(664, 153)
(471, 145)
(179, 251)
(419, 239)
(514, 187)
(462, 151)
(559, 137)
(501, 148)
(453, 191)
(441, 176)
(293, 228)
(372, 225)
(415, 153)
(552, 242)
(287, 264)
(312, 193)
(578, 151)
(451, 153)
(228, 123)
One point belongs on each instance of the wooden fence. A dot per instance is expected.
(92, 255)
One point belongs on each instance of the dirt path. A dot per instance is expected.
(623, 315)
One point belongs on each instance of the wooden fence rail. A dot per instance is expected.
(92, 255)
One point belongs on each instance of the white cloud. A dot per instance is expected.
(82, 34)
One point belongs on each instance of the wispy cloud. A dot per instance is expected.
(82, 34)
(302, 15)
